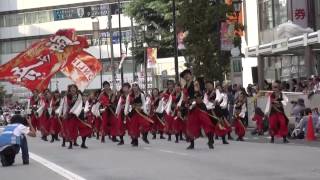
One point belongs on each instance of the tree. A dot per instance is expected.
(157, 15)
(202, 19)
(199, 18)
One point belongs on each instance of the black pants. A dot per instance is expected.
(8, 154)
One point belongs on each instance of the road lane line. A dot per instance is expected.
(167, 151)
(172, 152)
(56, 168)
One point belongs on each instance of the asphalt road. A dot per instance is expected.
(254, 159)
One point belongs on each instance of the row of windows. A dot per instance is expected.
(272, 13)
(17, 46)
(27, 18)
(284, 67)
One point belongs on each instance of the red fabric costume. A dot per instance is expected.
(55, 125)
(44, 118)
(278, 122)
(138, 121)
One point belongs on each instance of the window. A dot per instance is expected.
(11, 20)
(18, 46)
(280, 11)
(5, 47)
(31, 18)
(127, 66)
(19, 19)
(265, 14)
(2, 22)
(45, 16)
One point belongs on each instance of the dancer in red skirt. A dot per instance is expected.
(239, 115)
(168, 100)
(156, 113)
(198, 119)
(136, 112)
(72, 107)
(278, 121)
(88, 111)
(221, 111)
(107, 99)
(33, 105)
(214, 111)
(258, 118)
(95, 110)
(84, 126)
(55, 123)
(121, 118)
(43, 114)
(180, 112)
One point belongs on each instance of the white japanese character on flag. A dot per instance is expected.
(58, 43)
(28, 72)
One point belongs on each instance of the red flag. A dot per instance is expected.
(83, 69)
(152, 57)
(34, 67)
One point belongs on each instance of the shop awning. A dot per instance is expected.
(285, 46)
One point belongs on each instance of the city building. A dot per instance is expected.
(288, 46)
(250, 38)
(23, 22)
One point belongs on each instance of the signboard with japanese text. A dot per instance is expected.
(83, 12)
(227, 36)
(299, 12)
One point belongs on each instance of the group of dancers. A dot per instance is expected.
(183, 112)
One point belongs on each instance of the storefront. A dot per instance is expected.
(292, 58)
(288, 47)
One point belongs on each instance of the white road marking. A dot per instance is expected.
(172, 152)
(167, 151)
(56, 168)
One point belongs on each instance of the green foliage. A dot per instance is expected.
(157, 15)
(200, 18)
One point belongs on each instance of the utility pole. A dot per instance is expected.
(132, 46)
(120, 39)
(114, 85)
(176, 65)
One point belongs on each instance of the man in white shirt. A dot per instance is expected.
(13, 138)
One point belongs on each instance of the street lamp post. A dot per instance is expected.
(96, 33)
(120, 38)
(114, 85)
(133, 46)
(126, 43)
(176, 65)
(145, 45)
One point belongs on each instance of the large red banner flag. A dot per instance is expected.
(83, 69)
(34, 67)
